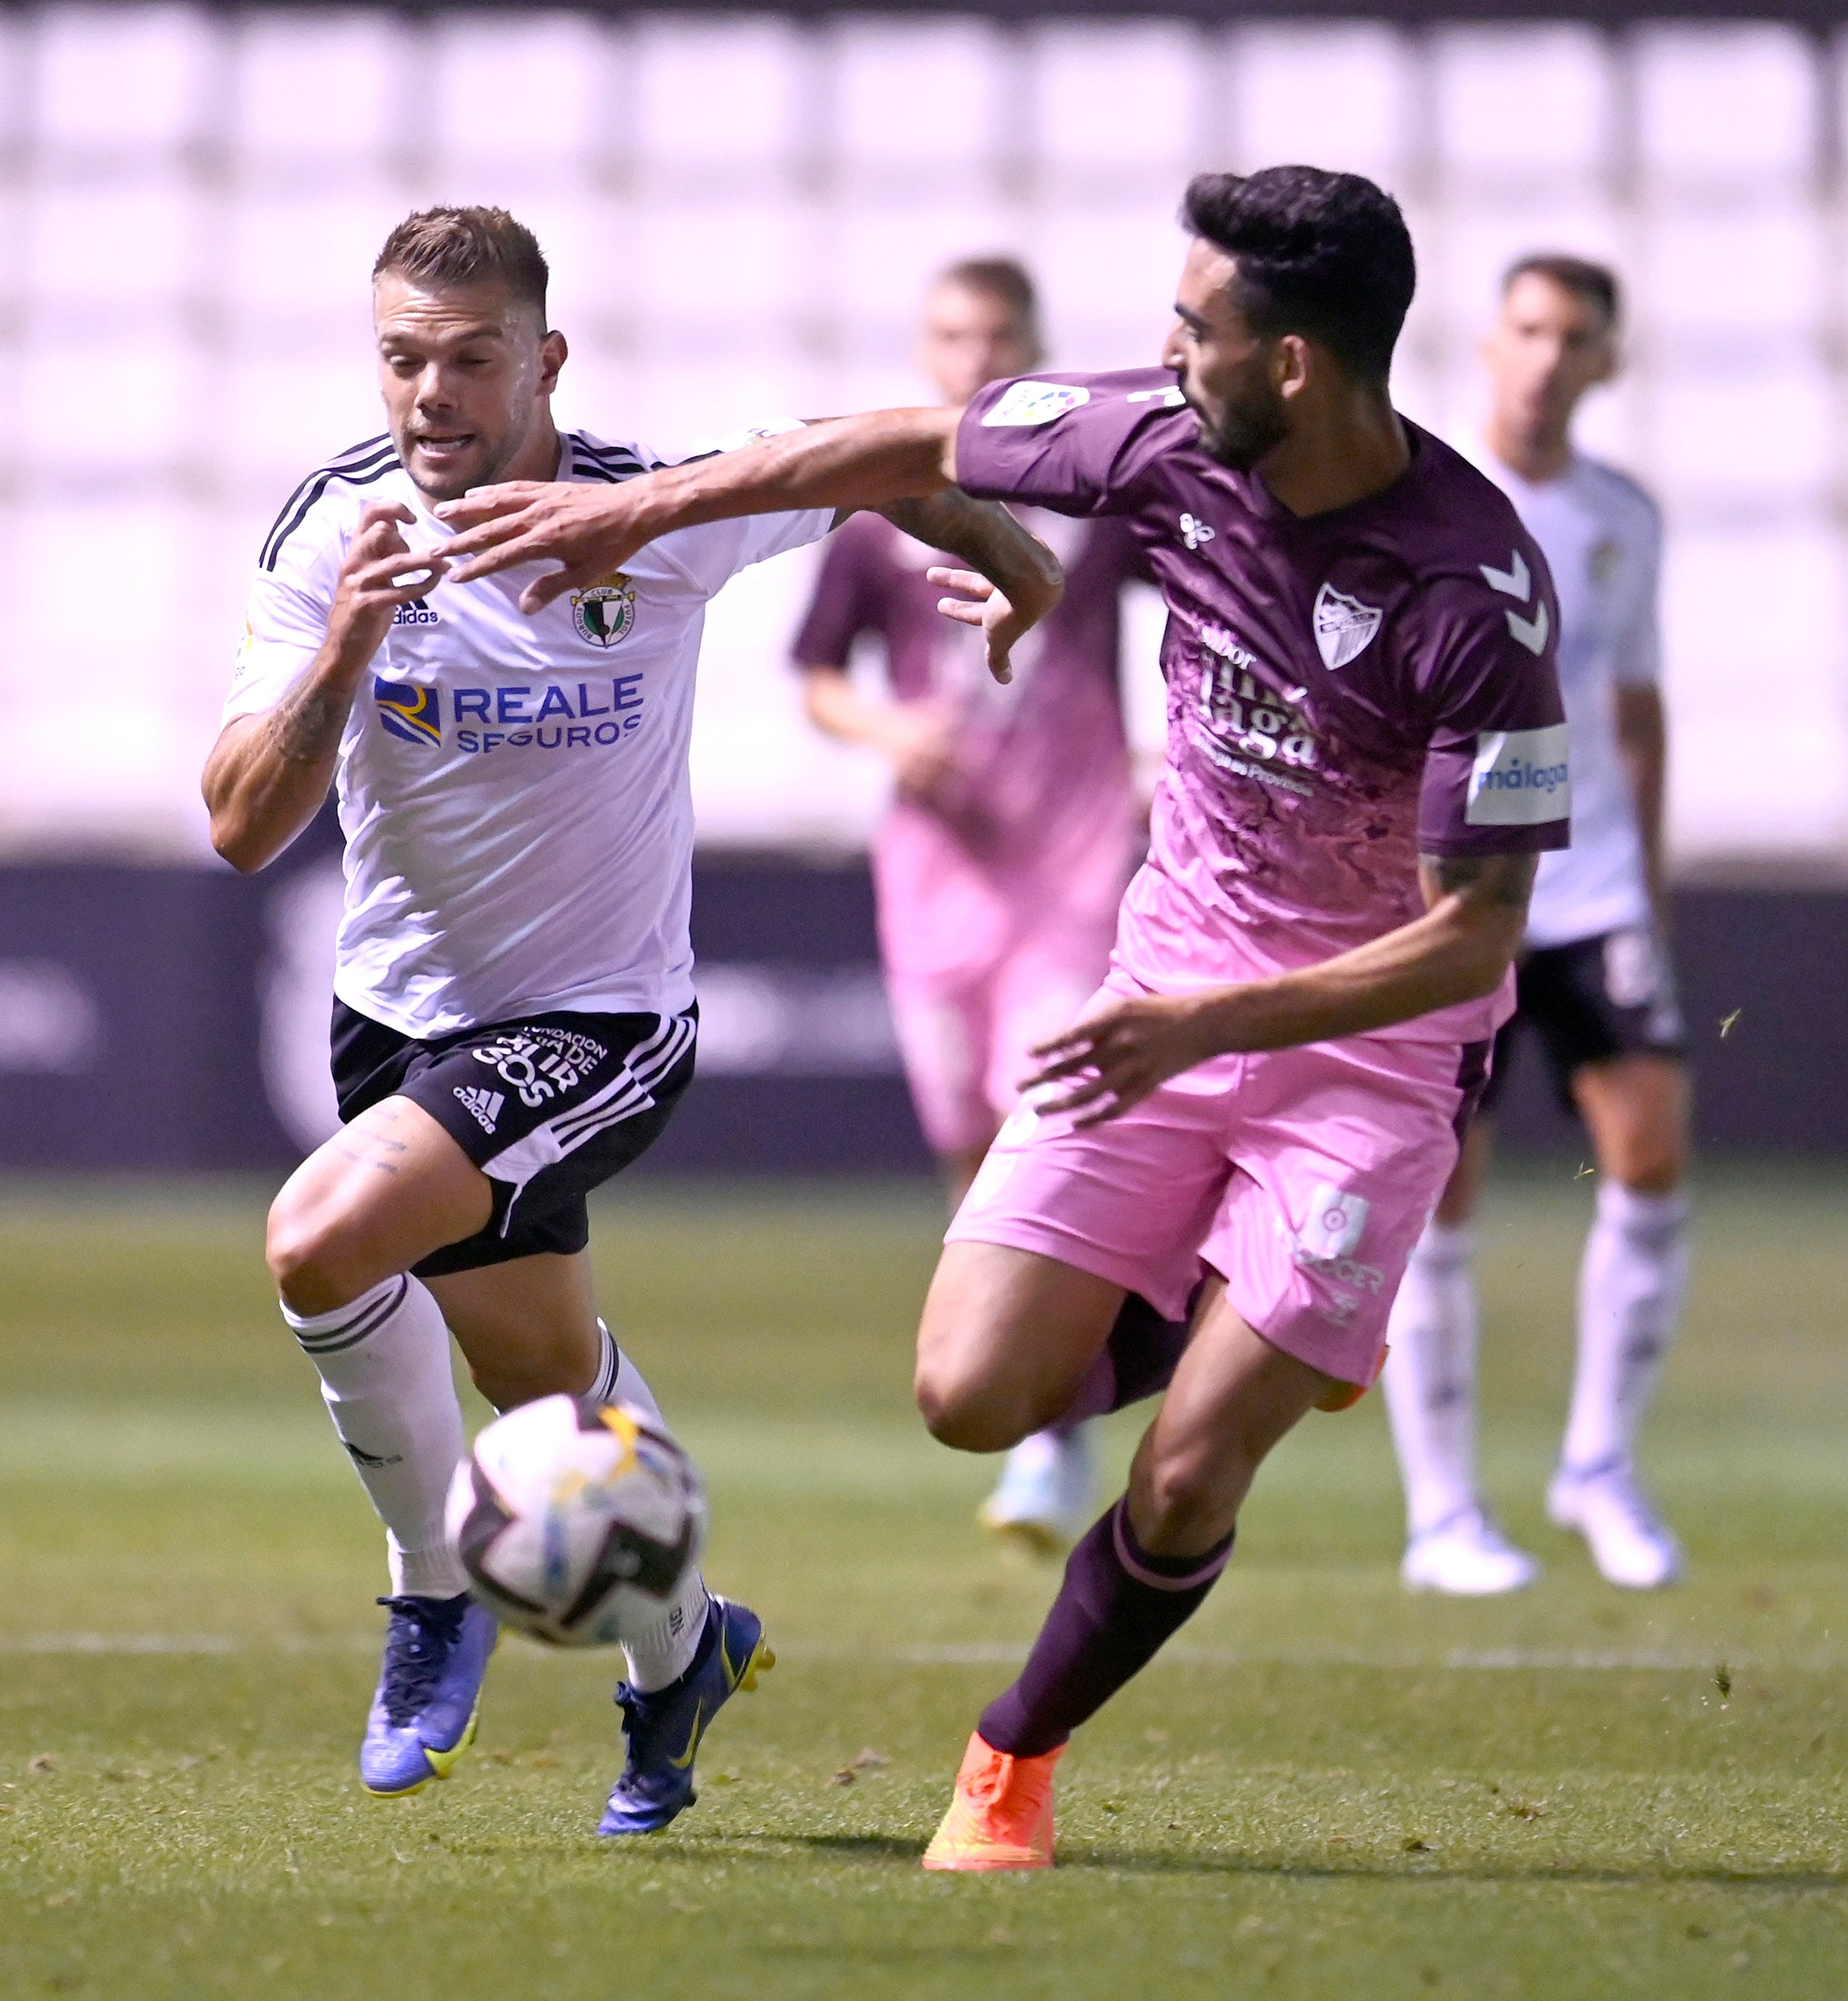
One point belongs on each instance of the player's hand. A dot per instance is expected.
(920, 741)
(590, 531)
(985, 607)
(379, 574)
(1113, 1059)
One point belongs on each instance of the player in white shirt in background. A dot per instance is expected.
(1595, 986)
(514, 1019)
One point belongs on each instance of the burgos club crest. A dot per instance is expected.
(606, 612)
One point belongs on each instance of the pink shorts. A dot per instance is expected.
(1303, 1177)
(965, 1044)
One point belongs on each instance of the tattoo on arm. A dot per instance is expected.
(978, 531)
(1487, 878)
(307, 724)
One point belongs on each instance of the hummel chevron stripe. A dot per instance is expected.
(1516, 582)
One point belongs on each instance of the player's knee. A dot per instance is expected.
(966, 1412)
(310, 1255)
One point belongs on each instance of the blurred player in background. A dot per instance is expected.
(1595, 986)
(515, 1017)
(1013, 829)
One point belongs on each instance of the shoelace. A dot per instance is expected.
(417, 1645)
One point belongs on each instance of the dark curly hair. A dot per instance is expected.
(1324, 255)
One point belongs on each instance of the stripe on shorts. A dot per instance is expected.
(628, 1092)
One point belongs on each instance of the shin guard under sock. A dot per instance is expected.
(1631, 1285)
(1430, 1378)
(1115, 1608)
(385, 1377)
(661, 1655)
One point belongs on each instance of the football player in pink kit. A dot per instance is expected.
(1012, 830)
(1367, 753)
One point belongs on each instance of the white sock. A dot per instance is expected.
(618, 1381)
(1631, 1285)
(385, 1366)
(666, 1652)
(1430, 1379)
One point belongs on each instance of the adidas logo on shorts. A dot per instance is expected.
(485, 1105)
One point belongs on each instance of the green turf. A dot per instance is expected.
(1325, 1789)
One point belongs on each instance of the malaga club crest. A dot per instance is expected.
(1344, 626)
(606, 612)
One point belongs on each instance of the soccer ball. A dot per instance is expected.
(577, 1520)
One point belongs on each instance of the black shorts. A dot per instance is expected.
(547, 1108)
(1589, 1002)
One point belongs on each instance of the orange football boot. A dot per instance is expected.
(1001, 1817)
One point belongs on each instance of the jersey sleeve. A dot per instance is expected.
(843, 605)
(285, 620)
(1116, 548)
(1636, 659)
(1079, 444)
(713, 554)
(1497, 777)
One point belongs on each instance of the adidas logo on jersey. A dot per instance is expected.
(483, 1106)
(417, 613)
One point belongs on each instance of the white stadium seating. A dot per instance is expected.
(740, 212)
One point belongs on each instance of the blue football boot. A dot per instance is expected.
(663, 1729)
(429, 1693)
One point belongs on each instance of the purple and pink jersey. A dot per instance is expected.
(998, 894)
(1346, 691)
(1036, 820)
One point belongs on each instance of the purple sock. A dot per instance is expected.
(1114, 1609)
(1139, 1360)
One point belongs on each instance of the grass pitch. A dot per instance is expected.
(1324, 1788)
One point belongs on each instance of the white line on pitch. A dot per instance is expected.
(972, 1653)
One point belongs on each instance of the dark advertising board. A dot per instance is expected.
(175, 1019)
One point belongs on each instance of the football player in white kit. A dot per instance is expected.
(515, 1016)
(1594, 986)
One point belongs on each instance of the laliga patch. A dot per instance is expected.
(1344, 626)
(1521, 778)
(606, 612)
(1335, 1223)
(1033, 403)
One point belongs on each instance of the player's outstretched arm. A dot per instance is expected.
(1013, 579)
(590, 530)
(1459, 950)
(267, 775)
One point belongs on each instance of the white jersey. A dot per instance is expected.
(1601, 535)
(514, 792)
